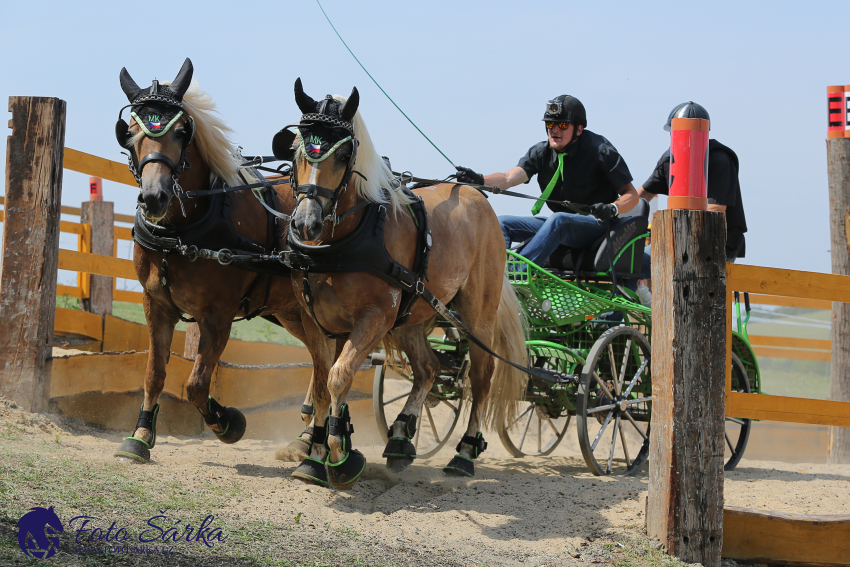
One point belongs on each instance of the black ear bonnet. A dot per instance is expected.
(324, 126)
(156, 109)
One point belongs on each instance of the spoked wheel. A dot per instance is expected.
(737, 429)
(614, 402)
(437, 418)
(539, 426)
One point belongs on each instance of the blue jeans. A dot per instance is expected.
(575, 231)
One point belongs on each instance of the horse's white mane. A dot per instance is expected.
(212, 135)
(381, 186)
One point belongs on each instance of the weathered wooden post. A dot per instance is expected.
(30, 248)
(838, 163)
(685, 504)
(193, 338)
(100, 215)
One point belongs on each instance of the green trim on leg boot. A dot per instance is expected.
(312, 471)
(344, 474)
(460, 466)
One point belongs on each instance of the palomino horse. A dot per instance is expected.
(351, 220)
(174, 132)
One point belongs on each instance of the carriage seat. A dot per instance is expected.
(595, 258)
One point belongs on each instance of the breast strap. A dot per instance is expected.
(364, 250)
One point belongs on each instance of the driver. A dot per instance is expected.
(573, 164)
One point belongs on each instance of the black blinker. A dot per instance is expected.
(122, 133)
(282, 145)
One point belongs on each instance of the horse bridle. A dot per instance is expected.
(312, 191)
(122, 135)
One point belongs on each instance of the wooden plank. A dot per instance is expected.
(790, 342)
(789, 283)
(71, 227)
(98, 216)
(788, 354)
(689, 345)
(124, 218)
(69, 291)
(75, 322)
(30, 245)
(792, 410)
(128, 296)
(96, 264)
(761, 536)
(98, 167)
(114, 373)
(123, 233)
(759, 299)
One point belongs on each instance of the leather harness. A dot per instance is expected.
(364, 250)
(215, 230)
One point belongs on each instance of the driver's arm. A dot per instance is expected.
(627, 200)
(508, 179)
(644, 194)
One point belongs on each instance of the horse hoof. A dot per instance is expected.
(344, 474)
(235, 428)
(297, 450)
(311, 471)
(135, 449)
(399, 447)
(460, 466)
(398, 464)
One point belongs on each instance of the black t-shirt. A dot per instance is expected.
(723, 189)
(594, 172)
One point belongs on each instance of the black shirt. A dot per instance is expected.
(594, 172)
(723, 189)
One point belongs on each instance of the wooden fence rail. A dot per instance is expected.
(795, 284)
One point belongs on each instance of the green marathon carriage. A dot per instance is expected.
(597, 345)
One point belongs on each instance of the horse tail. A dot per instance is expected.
(395, 356)
(508, 383)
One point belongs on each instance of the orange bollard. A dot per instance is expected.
(95, 189)
(847, 111)
(836, 111)
(689, 164)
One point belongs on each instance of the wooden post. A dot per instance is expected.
(30, 248)
(685, 505)
(100, 215)
(838, 162)
(193, 338)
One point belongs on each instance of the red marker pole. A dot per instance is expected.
(836, 108)
(95, 189)
(847, 111)
(688, 164)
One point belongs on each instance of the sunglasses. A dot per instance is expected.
(560, 125)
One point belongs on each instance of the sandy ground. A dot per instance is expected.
(535, 511)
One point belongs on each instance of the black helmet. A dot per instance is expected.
(688, 109)
(565, 108)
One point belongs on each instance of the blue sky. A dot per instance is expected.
(474, 76)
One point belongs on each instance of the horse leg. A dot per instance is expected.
(161, 330)
(400, 451)
(226, 422)
(478, 310)
(346, 464)
(323, 352)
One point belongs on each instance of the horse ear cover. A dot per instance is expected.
(128, 85)
(306, 104)
(181, 82)
(350, 109)
(282, 145)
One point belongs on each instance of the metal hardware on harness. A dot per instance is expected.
(225, 257)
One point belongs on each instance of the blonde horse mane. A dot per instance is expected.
(212, 135)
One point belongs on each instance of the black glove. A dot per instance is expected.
(604, 211)
(466, 175)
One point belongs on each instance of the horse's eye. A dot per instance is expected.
(343, 157)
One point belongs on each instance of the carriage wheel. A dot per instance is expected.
(613, 403)
(737, 429)
(437, 417)
(538, 428)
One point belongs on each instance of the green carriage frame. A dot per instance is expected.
(569, 334)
